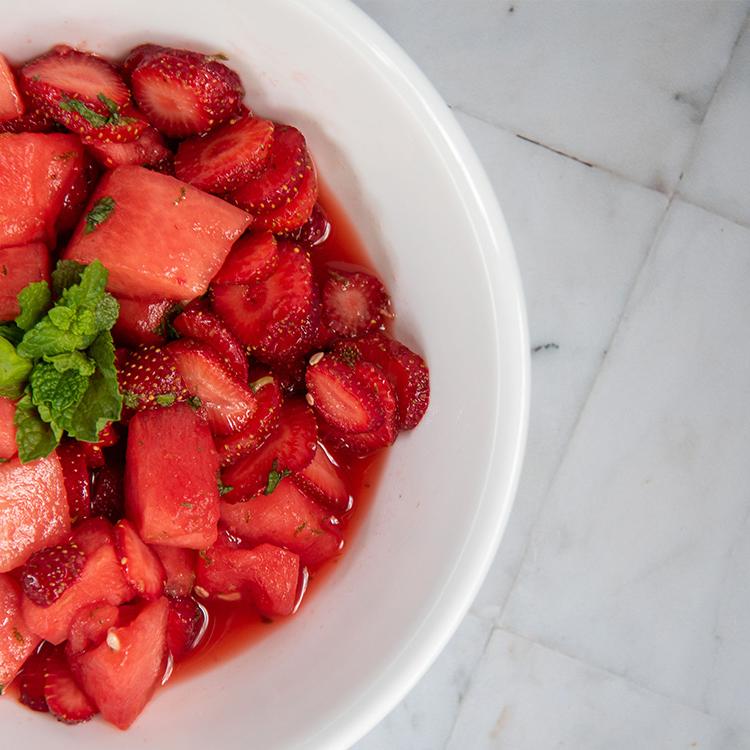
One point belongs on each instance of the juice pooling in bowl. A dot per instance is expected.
(199, 391)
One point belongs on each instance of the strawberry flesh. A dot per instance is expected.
(315, 231)
(77, 478)
(323, 481)
(186, 623)
(147, 150)
(31, 679)
(142, 567)
(179, 567)
(150, 379)
(92, 534)
(354, 303)
(48, 573)
(252, 258)
(65, 700)
(107, 497)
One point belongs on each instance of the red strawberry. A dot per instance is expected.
(143, 569)
(148, 150)
(322, 480)
(124, 125)
(252, 258)
(65, 700)
(275, 318)
(90, 625)
(197, 322)
(92, 534)
(31, 679)
(48, 573)
(315, 230)
(227, 157)
(292, 212)
(77, 480)
(35, 120)
(406, 370)
(83, 92)
(229, 403)
(260, 426)
(182, 92)
(12, 105)
(179, 566)
(139, 54)
(290, 447)
(75, 199)
(342, 393)
(93, 451)
(150, 379)
(107, 499)
(354, 303)
(282, 175)
(186, 624)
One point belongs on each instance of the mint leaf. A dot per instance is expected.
(34, 299)
(99, 213)
(11, 332)
(102, 402)
(274, 477)
(67, 273)
(45, 339)
(223, 488)
(165, 399)
(77, 361)
(76, 105)
(106, 313)
(57, 394)
(34, 438)
(14, 370)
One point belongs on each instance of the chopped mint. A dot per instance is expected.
(165, 399)
(67, 273)
(223, 488)
(100, 212)
(181, 197)
(195, 402)
(274, 477)
(80, 108)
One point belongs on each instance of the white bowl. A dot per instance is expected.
(393, 154)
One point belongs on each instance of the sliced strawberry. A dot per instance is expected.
(282, 176)
(364, 443)
(185, 626)
(150, 379)
(35, 120)
(143, 569)
(354, 303)
(83, 92)
(90, 625)
(262, 423)
(124, 125)
(184, 93)
(122, 673)
(74, 201)
(140, 53)
(148, 150)
(92, 534)
(227, 157)
(292, 212)
(197, 322)
(406, 370)
(277, 317)
(142, 323)
(77, 479)
(179, 566)
(228, 402)
(94, 451)
(252, 258)
(65, 700)
(323, 481)
(315, 230)
(11, 103)
(50, 572)
(289, 448)
(288, 518)
(31, 679)
(268, 574)
(107, 497)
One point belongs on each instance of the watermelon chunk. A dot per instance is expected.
(141, 322)
(122, 673)
(19, 266)
(16, 641)
(171, 490)
(179, 565)
(164, 238)
(36, 173)
(11, 103)
(8, 447)
(33, 509)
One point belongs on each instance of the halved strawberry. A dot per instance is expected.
(138, 54)
(252, 258)
(227, 157)
(182, 92)
(65, 700)
(283, 173)
(31, 679)
(141, 322)
(354, 303)
(405, 369)
(268, 574)
(142, 567)
(107, 497)
(342, 393)
(292, 212)
(197, 322)
(92, 534)
(35, 120)
(277, 317)
(323, 481)
(260, 426)
(289, 448)
(186, 624)
(94, 451)
(150, 379)
(148, 150)
(11, 103)
(83, 92)
(315, 230)
(288, 518)
(228, 402)
(123, 125)
(90, 625)
(48, 573)
(77, 479)
(179, 566)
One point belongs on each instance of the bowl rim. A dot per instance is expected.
(500, 482)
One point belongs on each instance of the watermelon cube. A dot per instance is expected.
(163, 238)
(11, 103)
(36, 172)
(16, 641)
(20, 266)
(33, 509)
(142, 322)
(8, 447)
(171, 489)
(179, 565)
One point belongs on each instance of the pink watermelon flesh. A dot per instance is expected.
(8, 447)
(16, 641)
(20, 266)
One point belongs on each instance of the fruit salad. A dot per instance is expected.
(196, 373)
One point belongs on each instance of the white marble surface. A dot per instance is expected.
(617, 613)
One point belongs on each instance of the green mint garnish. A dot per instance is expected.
(274, 477)
(165, 399)
(223, 488)
(100, 212)
(76, 105)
